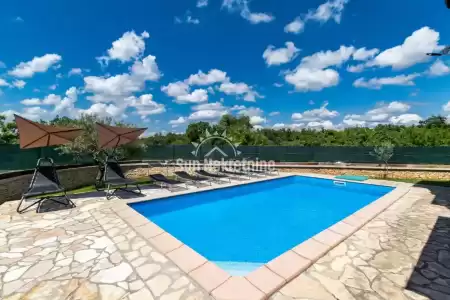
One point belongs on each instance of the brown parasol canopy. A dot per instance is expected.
(112, 136)
(34, 135)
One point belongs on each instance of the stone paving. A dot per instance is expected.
(404, 253)
(85, 253)
(90, 252)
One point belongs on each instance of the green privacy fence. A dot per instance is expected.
(12, 158)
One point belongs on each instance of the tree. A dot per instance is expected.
(434, 121)
(8, 131)
(383, 153)
(86, 144)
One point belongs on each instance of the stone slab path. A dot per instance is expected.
(85, 253)
(90, 252)
(403, 254)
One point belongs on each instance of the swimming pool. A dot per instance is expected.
(242, 228)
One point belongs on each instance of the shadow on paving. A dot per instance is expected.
(431, 275)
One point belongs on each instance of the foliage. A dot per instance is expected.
(86, 145)
(384, 153)
(434, 131)
(8, 131)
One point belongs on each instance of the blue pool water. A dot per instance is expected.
(243, 227)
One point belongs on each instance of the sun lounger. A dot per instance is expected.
(214, 177)
(45, 181)
(163, 181)
(194, 180)
(114, 179)
(235, 173)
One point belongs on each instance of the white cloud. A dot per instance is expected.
(31, 101)
(315, 115)
(213, 76)
(36, 65)
(237, 107)
(53, 87)
(206, 115)
(75, 71)
(251, 112)
(116, 88)
(295, 26)
(181, 92)
(438, 68)
(377, 83)
(356, 68)
(446, 107)
(209, 106)
(176, 89)
(105, 110)
(364, 54)
(274, 113)
(411, 52)
(256, 18)
(332, 9)
(276, 84)
(188, 18)
(320, 124)
(197, 96)
(325, 59)
(145, 105)
(177, 122)
(305, 79)
(280, 56)
(51, 99)
(3, 82)
(406, 119)
(202, 3)
(393, 112)
(147, 69)
(2, 65)
(20, 84)
(243, 8)
(128, 47)
(19, 19)
(257, 120)
(240, 89)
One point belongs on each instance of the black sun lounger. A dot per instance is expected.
(235, 173)
(163, 181)
(114, 178)
(45, 181)
(194, 180)
(215, 177)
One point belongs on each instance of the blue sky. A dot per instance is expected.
(285, 63)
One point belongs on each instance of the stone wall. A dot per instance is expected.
(12, 188)
(423, 175)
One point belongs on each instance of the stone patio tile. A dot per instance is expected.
(288, 265)
(311, 249)
(343, 228)
(354, 221)
(329, 237)
(237, 288)
(186, 258)
(265, 280)
(209, 276)
(165, 242)
(149, 230)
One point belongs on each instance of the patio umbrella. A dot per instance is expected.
(35, 135)
(113, 136)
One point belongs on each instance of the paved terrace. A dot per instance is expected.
(93, 252)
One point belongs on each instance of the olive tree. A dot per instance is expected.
(384, 153)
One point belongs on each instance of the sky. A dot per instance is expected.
(294, 64)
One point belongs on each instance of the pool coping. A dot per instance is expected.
(269, 278)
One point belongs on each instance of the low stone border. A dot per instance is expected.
(266, 280)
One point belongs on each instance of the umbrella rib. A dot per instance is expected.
(46, 133)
